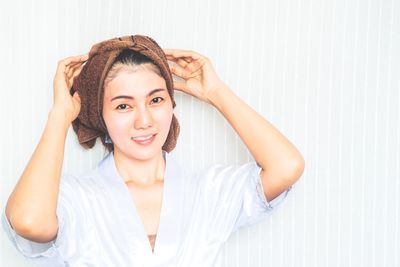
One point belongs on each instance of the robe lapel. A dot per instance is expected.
(171, 217)
(171, 222)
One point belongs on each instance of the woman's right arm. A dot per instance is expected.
(31, 207)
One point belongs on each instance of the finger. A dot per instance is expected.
(78, 71)
(73, 68)
(74, 59)
(182, 62)
(73, 65)
(68, 69)
(74, 73)
(63, 69)
(180, 86)
(179, 71)
(172, 58)
(191, 65)
(176, 53)
(62, 64)
(175, 58)
(77, 97)
(196, 65)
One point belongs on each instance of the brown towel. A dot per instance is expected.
(89, 83)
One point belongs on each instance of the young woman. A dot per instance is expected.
(140, 206)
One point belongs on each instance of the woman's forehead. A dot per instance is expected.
(139, 83)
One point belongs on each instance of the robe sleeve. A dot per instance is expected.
(235, 198)
(50, 253)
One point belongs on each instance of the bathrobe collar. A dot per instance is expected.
(171, 217)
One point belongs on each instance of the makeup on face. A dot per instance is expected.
(138, 108)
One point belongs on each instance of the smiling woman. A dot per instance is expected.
(140, 206)
(112, 68)
(136, 105)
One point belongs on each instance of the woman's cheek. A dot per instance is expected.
(119, 126)
(165, 118)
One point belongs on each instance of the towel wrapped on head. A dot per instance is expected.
(90, 85)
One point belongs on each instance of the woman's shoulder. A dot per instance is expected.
(84, 183)
(68, 177)
(224, 173)
(223, 167)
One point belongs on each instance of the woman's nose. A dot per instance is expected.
(143, 118)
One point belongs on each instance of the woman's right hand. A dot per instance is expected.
(67, 70)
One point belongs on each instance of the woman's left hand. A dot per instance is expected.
(200, 77)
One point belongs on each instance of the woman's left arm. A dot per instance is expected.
(281, 163)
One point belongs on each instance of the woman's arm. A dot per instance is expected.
(31, 207)
(282, 164)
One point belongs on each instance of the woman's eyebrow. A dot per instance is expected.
(131, 97)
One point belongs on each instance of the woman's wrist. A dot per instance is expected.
(215, 96)
(60, 117)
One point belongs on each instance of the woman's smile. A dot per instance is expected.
(144, 140)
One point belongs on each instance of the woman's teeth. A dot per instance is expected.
(143, 138)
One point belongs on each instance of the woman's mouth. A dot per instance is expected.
(144, 140)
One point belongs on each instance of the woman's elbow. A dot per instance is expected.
(297, 167)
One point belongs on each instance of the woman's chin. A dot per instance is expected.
(141, 153)
(141, 150)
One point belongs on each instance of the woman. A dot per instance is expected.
(139, 206)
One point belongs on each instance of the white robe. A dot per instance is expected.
(99, 225)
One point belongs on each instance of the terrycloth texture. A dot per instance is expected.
(89, 83)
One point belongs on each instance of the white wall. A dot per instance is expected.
(326, 73)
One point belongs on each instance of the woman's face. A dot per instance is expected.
(137, 104)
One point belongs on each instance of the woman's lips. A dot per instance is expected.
(146, 141)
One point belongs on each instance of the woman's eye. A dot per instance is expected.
(122, 106)
(160, 99)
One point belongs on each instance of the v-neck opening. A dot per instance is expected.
(170, 226)
(136, 211)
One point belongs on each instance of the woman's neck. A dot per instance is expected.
(140, 172)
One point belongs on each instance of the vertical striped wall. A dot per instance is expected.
(326, 73)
